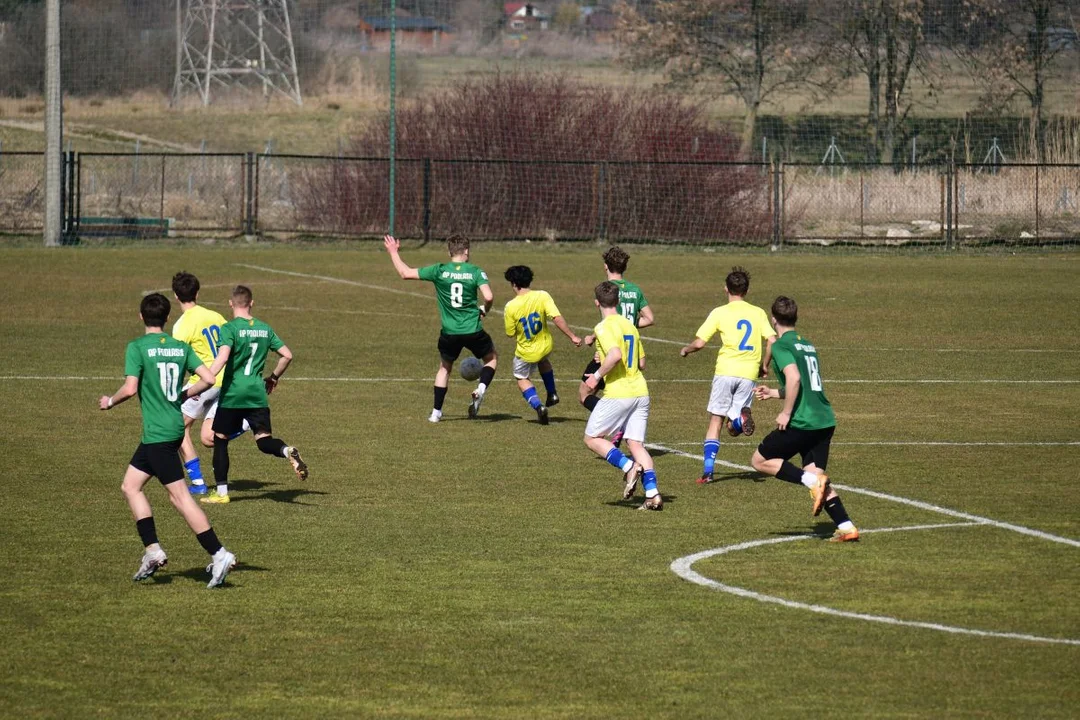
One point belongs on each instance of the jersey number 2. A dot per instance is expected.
(749, 329)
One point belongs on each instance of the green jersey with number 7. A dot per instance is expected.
(812, 409)
(251, 340)
(456, 285)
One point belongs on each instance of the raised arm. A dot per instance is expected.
(393, 246)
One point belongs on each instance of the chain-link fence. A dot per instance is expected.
(700, 203)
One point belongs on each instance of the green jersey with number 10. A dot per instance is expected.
(251, 340)
(456, 287)
(812, 409)
(631, 300)
(160, 363)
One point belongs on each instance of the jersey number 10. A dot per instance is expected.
(170, 380)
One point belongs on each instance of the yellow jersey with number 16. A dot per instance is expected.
(526, 318)
(201, 329)
(625, 379)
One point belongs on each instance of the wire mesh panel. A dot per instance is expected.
(1057, 202)
(1016, 204)
(161, 194)
(869, 204)
(22, 177)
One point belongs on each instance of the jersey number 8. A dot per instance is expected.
(457, 295)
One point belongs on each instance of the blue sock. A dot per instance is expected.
(194, 470)
(648, 481)
(532, 398)
(737, 424)
(711, 448)
(619, 460)
(549, 381)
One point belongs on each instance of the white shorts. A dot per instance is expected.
(730, 395)
(523, 370)
(203, 406)
(631, 415)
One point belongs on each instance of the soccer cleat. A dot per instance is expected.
(654, 503)
(151, 561)
(630, 479)
(542, 415)
(747, 422)
(851, 535)
(552, 400)
(474, 406)
(616, 439)
(298, 465)
(819, 492)
(214, 499)
(220, 567)
(705, 478)
(199, 489)
(436, 416)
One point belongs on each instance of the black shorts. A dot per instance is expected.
(160, 460)
(592, 367)
(813, 445)
(230, 421)
(478, 343)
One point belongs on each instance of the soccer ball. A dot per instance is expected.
(470, 368)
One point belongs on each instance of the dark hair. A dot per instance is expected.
(155, 309)
(785, 311)
(738, 281)
(241, 295)
(607, 294)
(186, 286)
(457, 244)
(616, 259)
(519, 276)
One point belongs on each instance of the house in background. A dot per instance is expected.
(413, 33)
(520, 18)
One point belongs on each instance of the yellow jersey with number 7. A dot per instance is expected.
(625, 380)
(744, 329)
(201, 329)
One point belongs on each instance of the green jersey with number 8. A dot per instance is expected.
(812, 409)
(160, 363)
(251, 340)
(456, 286)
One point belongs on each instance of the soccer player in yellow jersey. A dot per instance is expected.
(625, 405)
(526, 318)
(745, 335)
(200, 328)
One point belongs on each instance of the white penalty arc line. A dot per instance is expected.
(683, 567)
(897, 499)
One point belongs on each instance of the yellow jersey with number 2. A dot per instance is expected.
(526, 318)
(625, 379)
(201, 329)
(744, 330)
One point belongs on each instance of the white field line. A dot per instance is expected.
(332, 311)
(948, 350)
(914, 443)
(897, 499)
(683, 567)
(219, 285)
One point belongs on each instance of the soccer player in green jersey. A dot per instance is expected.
(806, 423)
(154, 369)
(632, 305)
(242, 351)
(458, 285)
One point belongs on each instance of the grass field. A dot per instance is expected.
(488, 568)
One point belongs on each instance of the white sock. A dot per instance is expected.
(245, 426)
(809, 479)
(626, 465)
(481, 389)
(285, 451)
(222, 490)
(845, 526)
(652, 493)
(200, 481)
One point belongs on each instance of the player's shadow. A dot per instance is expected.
(745, 475)
(200, 574)
(247, 485)
(559, 420)
(634, 503)
(821, 530)
(282, 496)
(494, 417)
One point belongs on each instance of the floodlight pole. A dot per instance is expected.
(53, 125)
(393, 110)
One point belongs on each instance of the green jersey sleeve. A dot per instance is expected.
(428, 273)
(227, 336)
(781, 358)
(275, 342)
(132, 361)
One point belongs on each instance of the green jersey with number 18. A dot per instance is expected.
(251, 341)
(631, 300)
(812, 409)
(160, 363)
(456, 288)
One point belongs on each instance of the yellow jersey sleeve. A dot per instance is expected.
(550, 309)
(709, 327)
(509, 321)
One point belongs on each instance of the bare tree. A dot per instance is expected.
(746, 48)
(1019, 55)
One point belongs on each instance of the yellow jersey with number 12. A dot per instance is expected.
(526, 318)
(201, 329)
(625, 379)
(744, 330)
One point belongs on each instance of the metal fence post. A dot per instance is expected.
(601, 200)
(1036, 203)
(778, 207)
(249, 194)
(950, 171)
(161, 206)
(427, 199)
